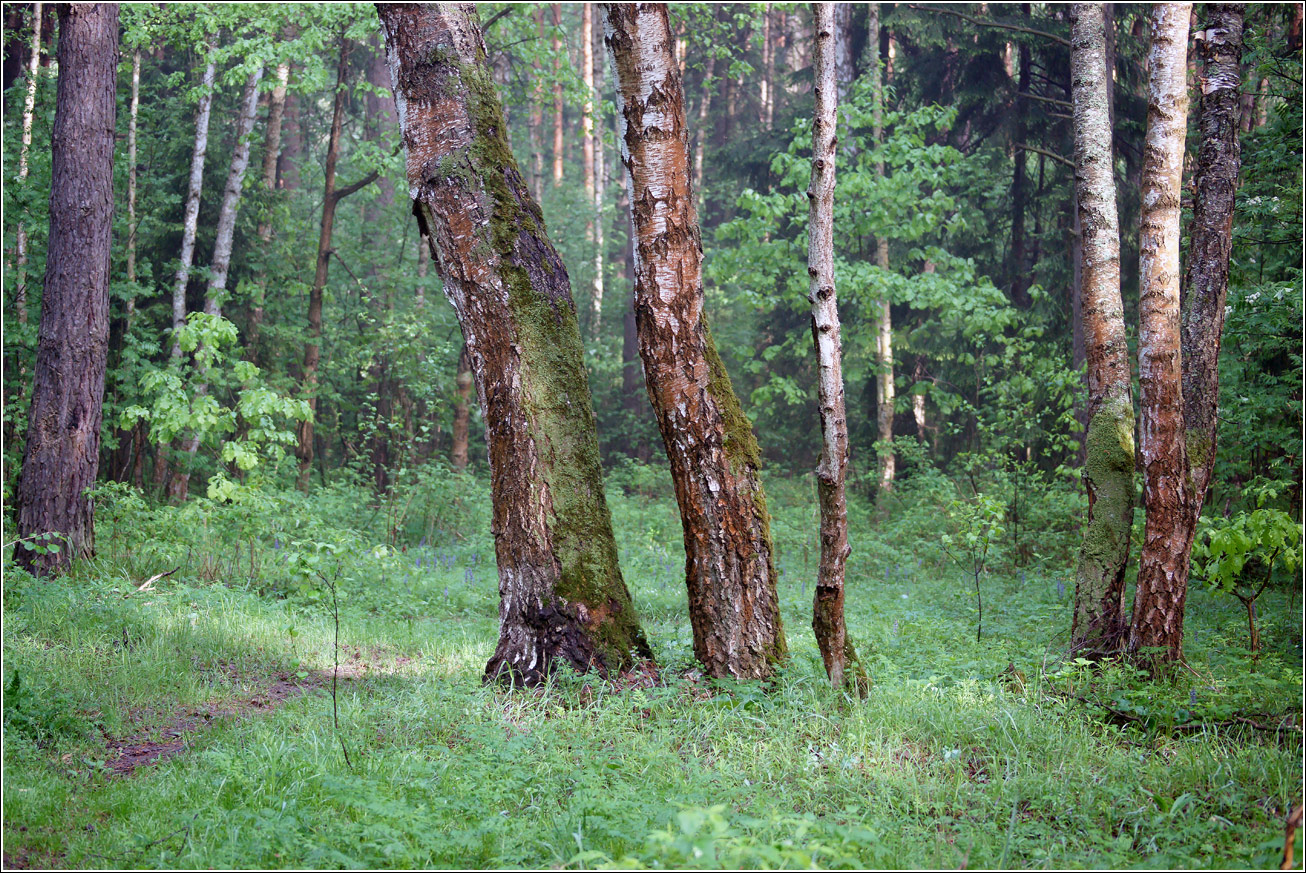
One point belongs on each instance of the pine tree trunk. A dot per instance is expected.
(461, 411)
(1099, 623)
(827, 607)
(884, 388)
(562, 597)
(1211, 236)
(61, 457)
(331, 197)
(709, 441)
(1158, 618)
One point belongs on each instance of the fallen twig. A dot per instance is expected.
(148, 584)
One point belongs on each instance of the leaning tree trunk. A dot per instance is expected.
(562, 597)
(190, 224)
(827, 608)
(709, 441)
(331, 198)
(221, 266)
(1099, 623)
(1158, 619)
(1211, 238)
(62, 454)
(884, 388)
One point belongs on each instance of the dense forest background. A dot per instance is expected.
(273, 655)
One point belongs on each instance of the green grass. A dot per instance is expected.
(949, 761)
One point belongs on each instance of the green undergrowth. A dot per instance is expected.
(1001, 753)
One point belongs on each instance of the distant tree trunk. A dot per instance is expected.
(557, 96)
(709, 441)
(1099, 623)
(131, 179)
(61, 457)
(29, 113)
(271, 155)
(190, 224)
(331, 197)
(225, 237)
(700, 137)
(767, 92)
(1020, 183)
(536, 122)
(596, 63)
(884, 393)
(293, 145)
(1211, 237)
(827, 608)
(562, 597)
(1158, 619)
(461, 411)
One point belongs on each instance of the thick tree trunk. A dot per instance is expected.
(709, 441)
(225, 237)
(827, 607)
(1158, 619)
(331, 197)
(562, 597)
(190, 224)
(461, 411)
(1211, 237)
(1099, 624)
(62, 453)
(884, 388)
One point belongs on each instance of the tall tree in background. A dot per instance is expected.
(190, 224)
(1099, 619)
(827, 607)
(714, 456)
(1158, 619)
(562, 596)
(884, 389)
(1215, 181)
(29, 109)
(61, 457)
(271, 153)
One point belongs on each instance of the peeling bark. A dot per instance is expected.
(709, 441)
(562, 597)
(1099, 624)
(1158, 617)
(62, 454)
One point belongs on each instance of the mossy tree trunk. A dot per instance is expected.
(562, 597)
(1158, 617)
(709, 441)
(62, 454)
(1098, 625)
(827, 606)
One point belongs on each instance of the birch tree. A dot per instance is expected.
(714, 457)
(884, 387)
(1158, 617)
(562, 597)
(1099, 618)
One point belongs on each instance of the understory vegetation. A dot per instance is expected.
(985, 754)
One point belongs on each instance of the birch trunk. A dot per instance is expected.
(562, 597)
(131, 180)
(700, 137)
(766, 88)
(1158, 618)
(190, 224)
(1098, 625)
(709, 441)
(884, 388)
(29, 113)
(557, 96)
(827, 607)
(600, 183)
(61, 456)
(271, 158)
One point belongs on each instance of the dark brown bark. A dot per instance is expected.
(292, 146)
(709, 441)
(562, 597)
(1098, 625)
(61, 457)
(1158, 617)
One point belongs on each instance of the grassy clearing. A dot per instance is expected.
(964, 753)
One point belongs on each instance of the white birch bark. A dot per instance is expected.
(884, 389)
(190, 224)
(226, 231)
(29, 113)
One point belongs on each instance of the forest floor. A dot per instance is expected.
(211, 719)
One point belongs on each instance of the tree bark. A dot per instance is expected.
(1211, 236)
(536, 116)
(331, 197)
(29, 113)
(1158, 617)
(557, 96)
(884, 388)
(61, 457)
(271, 158)
(1098, 625)
(190, 224)
(562, 597)
(768, 68)
(1020, 183)
(131, 179)
(827, 607)
(700, 138)
(461, 411)
(709, 441)
(595, 63)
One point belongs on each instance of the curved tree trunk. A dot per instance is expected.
(562, 597)
(61, 458)
(1099, 622)
(1158, 618)
(709, 441)
(827, 607)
